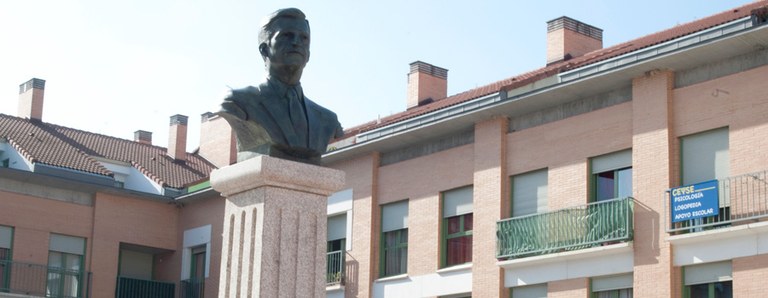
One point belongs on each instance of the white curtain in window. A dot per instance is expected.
(529, 193)
(394, 216)
(707, 273)
(457, 201)
(705, 156)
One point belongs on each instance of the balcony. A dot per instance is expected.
(335, 273)
(193, 288)
(567, 229)
(141, 288)
(741, 200)
(43, 281)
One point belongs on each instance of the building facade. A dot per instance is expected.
(636, 170)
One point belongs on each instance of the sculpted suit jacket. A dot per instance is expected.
(260, 118)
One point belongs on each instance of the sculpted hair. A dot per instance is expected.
(267, 24)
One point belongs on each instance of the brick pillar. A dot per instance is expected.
(652, 158)
(490, 202)
(361, 267)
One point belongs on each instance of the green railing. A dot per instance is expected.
(142, 288)
(335, 272)
(566, 229)
(43, 281)
(192, 288)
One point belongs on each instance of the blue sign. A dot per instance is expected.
(694, 201)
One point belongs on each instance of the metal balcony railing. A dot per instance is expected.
(335, 272)
(142, 288)
(741, 199)
(566, 229)
(43, 281)
(193, 288)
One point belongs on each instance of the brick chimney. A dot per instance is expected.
(143, 137)
(217, 140)
(31, 99)
(568, 38)
(177, 138)
(426, 83)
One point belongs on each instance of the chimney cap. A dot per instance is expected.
(33, 83)
(179, 119)
(143, 136)
(575, 26)
(423, 67)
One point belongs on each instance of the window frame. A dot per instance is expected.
(5, 282)
(595, 189)
(79, 277)
(463, 232)
(384, 249)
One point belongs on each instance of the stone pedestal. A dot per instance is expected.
(274, 239)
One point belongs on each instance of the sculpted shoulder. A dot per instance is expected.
(237, 101)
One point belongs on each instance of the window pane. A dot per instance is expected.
(701, 290)
(5, 256)
(625, 183)
(604, 189)
(723, 289)
(468, 222)
(459, 250)
(198, 266)
(395, 254)
(453, 224)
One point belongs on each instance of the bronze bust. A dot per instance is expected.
(275, 118)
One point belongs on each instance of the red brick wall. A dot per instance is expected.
(420, 180)
(362, 259)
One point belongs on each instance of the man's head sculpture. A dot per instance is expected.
(275, 118)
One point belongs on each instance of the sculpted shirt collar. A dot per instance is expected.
(281, 88)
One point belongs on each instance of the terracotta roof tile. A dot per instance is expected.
(589, 58)
(65, 147)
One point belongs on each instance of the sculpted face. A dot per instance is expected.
(289, 44)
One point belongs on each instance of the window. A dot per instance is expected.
(337, 234)
(457, 227)
(394, 239)
(6, 239)
(195, 259)
(65, 263)
(532, 291)
(614, 286)
(529, 193)
(197, 268)
(705, 157)
(612, 175)
(710, 280)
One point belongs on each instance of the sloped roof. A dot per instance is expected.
(555, 68)
(79, 150)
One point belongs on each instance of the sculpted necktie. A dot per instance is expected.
(298, 116)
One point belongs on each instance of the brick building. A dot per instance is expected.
(560, 182)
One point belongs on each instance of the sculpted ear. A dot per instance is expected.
(264, 49)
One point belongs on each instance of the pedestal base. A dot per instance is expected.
(274, 241)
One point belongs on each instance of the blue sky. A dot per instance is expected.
(114, 67)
